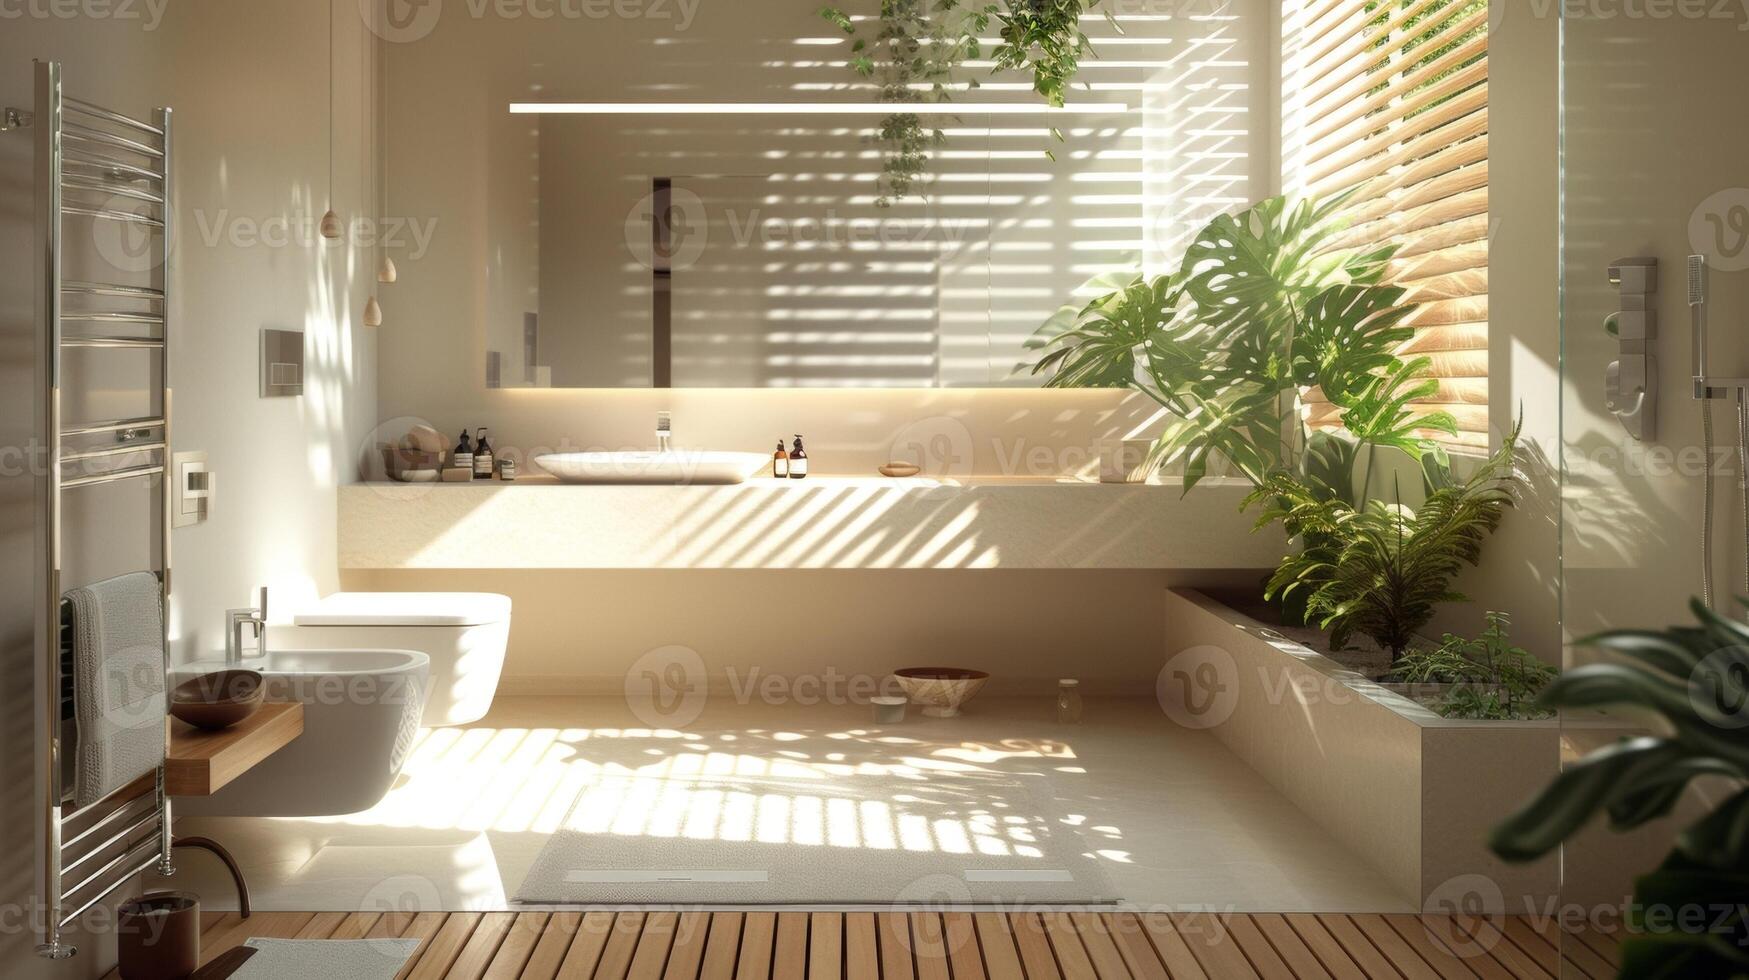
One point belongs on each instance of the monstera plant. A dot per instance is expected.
(1264, 306)
(1688, 917)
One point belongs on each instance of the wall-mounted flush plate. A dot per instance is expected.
(192, 500)
(282, 363)
(1631, 381)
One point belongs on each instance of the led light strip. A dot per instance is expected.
(812, 108)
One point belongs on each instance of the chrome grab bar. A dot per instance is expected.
(86, 134)
(142, 343)
(110, 215)
(117, 476)
(114, 425)
(109, 289)
(114, 166)
(122, 450)
(105, 316)
(97, 185)
(86, 108)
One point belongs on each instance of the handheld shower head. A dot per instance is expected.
(1697, 302)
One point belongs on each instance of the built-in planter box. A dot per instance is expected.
(1411, 792)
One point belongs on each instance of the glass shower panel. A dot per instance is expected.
(1655, 170)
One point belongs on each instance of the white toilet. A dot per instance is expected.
(464, 633)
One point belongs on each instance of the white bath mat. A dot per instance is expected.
(326, 959)
(866, 836)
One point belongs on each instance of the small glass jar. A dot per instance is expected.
(1069, 701)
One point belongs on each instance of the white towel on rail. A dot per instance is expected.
(118, 683)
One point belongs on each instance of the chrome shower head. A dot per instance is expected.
(1697, 280)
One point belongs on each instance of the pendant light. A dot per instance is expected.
(373, 313)
(330, 220)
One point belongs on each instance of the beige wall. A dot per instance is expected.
(1520, 570)
(582, 631)
(249, 83)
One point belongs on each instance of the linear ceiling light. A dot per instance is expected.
(811, 108)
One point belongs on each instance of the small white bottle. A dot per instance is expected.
(1069, 701)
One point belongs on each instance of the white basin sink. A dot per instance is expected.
(674, 466)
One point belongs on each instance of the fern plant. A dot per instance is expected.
(1494, 679)
(1687, 918)
(1381, 570)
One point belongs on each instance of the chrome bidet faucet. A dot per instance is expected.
(235, 620)
(664, 432)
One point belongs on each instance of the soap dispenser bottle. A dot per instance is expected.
(463, 457)
(780, 462)
(482, 456)
(798, 460)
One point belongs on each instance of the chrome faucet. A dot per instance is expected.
(235, 620)
(664, 432)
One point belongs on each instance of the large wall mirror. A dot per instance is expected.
(719, 232)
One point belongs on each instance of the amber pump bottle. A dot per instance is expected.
(780, 462)
(798, 460)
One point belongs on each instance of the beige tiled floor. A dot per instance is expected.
(1176, 820)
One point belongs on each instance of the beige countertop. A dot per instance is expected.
(820, 522)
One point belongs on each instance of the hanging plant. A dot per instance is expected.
(1045, 38)
(920, 46)
(912, 58)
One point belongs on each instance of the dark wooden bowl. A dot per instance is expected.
(218, 700)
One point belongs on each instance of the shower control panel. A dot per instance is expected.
(1631, 383)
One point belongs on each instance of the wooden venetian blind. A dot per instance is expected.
(1392, 95)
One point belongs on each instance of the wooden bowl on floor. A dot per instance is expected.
(218, 700)
(940, 690)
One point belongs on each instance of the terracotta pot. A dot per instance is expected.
(158, 936)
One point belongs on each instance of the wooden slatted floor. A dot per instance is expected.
(944, 946)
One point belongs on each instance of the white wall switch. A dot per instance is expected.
(192, 500)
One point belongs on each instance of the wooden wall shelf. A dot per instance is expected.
(200, 763)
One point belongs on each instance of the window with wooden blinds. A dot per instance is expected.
(1392, 95)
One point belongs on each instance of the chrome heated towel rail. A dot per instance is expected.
(94, 166)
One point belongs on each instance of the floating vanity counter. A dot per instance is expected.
(823, 522)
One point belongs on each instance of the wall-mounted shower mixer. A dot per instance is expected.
(1631, 385)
